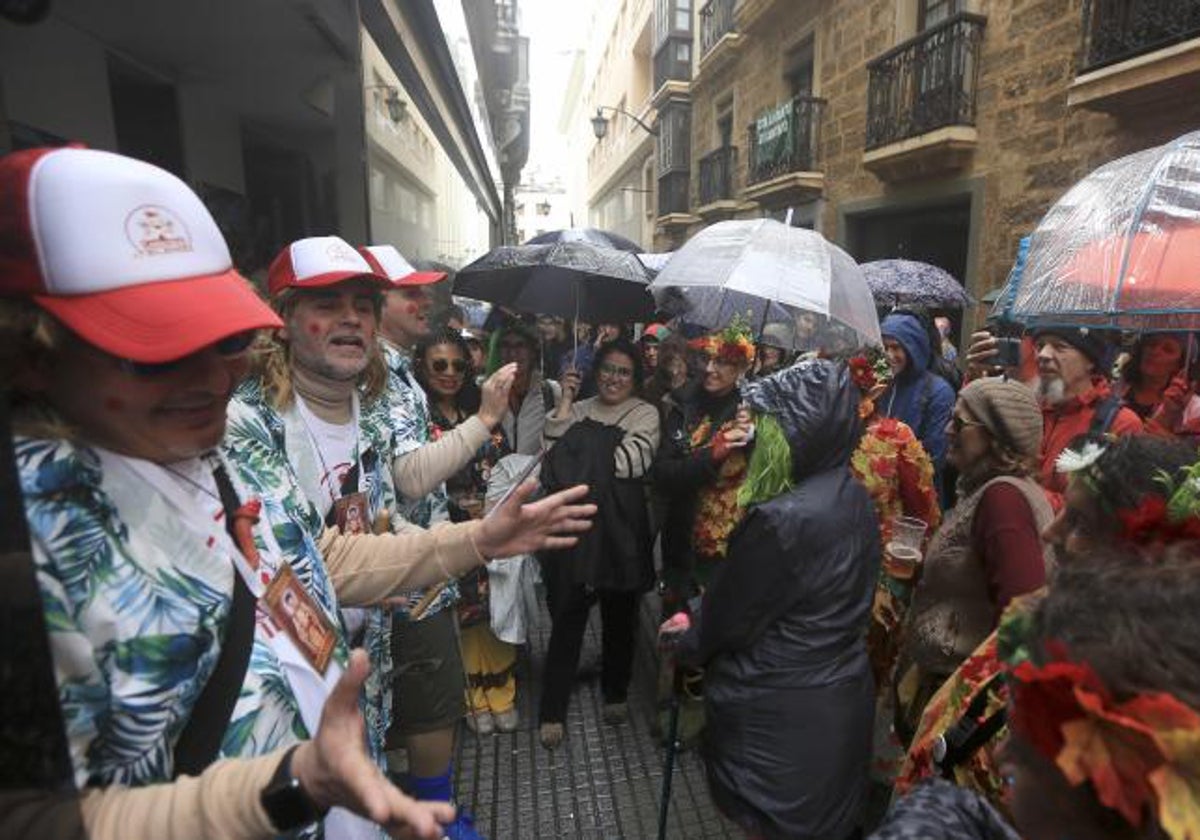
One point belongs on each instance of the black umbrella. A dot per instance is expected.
(594, 236)
(566, 279)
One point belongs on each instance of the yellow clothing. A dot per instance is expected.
(491, 670)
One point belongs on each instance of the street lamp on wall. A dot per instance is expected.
(397, 108)
(600, 122)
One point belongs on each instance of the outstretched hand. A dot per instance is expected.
(516, 527)
(494, 395)
(335, 770)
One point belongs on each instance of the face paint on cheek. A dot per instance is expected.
(313, 329)
(411, 308)
(113, 404)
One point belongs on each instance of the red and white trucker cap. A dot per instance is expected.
(121, 252)
(319, 261)
(389, 262)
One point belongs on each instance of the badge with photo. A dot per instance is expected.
(295, 612)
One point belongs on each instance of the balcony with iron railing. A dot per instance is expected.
(719, 38)
(1117, 30)
(717, 172)
(1137, 51)
(784, 144)
(921, 100)
(716, 21)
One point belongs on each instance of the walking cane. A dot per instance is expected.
(672, 748)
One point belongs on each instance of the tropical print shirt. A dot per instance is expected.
(256, 443)
(136, 606)
(405, 411)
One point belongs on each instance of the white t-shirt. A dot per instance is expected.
(335, 445)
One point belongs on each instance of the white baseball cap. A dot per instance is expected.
(121, 252)
(319, 261)
(389, 262)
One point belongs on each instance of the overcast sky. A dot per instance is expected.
(554, 28)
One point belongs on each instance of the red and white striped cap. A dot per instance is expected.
(319, 261)
(389, 262)
(122, 252)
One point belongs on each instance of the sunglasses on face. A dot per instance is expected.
(616, 371)
(960, 423)
(441, 365)
(227, 348)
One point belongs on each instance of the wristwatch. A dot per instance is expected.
(287, 804)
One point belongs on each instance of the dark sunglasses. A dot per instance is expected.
(230, 347)
(440, 365)
(958, 423)
(616, 371)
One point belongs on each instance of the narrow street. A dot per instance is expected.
(604, 782)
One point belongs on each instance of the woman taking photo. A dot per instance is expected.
(611, 438)
(443, 367)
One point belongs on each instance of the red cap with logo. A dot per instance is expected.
(319, 261)
(121, 252)
(389, 262)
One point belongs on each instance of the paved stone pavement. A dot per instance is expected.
(604, 782)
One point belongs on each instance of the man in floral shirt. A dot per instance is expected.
(429, 675)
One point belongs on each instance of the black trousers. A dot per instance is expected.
(569, 609)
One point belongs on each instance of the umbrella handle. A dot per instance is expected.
(575, 331)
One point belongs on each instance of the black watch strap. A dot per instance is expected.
(287, 805)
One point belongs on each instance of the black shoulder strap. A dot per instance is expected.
(200, 742)
(970, 732)
(1106, 413)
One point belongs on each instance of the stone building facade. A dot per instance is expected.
(938, 130)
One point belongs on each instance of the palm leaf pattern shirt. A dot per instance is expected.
(256, 443)
(136, 610)
(405, 412)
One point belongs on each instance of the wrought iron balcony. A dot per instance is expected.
(716, 174)
(716, 21)
(927, 82)
(785, 139)
(1116, 30)
(673, 193)
(673, 61)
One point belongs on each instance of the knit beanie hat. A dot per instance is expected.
(1090, 343)
(1009, 411)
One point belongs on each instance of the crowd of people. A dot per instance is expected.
(884, 577)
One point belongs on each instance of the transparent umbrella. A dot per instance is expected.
(773, 274)
(1121, 249)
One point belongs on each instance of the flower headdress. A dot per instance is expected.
(734, 344)
(869, 368)
(1170, 516)
(1137, 753)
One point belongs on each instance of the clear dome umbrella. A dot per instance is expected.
(1121, 250)
(770, 273)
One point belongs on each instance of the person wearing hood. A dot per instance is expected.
(781, 632)
(918, 397)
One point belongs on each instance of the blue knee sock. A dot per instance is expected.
(433, 788)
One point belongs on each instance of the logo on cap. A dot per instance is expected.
(341, 252)
(154, 230)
